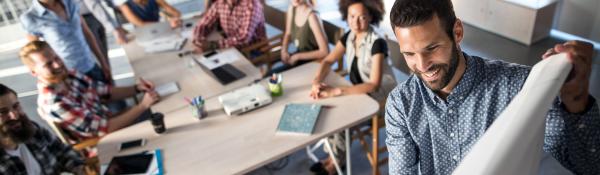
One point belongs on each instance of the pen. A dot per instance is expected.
(188, 100)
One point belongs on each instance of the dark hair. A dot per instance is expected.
(5, 90)
(375, 8)
(407, 13)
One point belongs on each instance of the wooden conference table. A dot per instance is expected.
(221, 144)
(166, 67)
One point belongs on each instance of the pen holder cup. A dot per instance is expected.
(199, 111)
(276, 89)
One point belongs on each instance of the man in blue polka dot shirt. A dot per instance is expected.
(451, 98)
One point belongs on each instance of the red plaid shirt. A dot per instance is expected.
(242, 23)
(76, 105)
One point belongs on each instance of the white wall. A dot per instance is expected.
(579, 17)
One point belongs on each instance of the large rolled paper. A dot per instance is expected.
(513, 143)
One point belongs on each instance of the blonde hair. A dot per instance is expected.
(30, 48)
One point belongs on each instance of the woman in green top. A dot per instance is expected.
(305, 29)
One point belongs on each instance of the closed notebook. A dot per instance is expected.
(144, 163)
(299, 119)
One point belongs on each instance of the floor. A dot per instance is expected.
(476, 42)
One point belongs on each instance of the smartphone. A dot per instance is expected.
(132, 144)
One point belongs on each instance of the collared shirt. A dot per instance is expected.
(65, 37)
(243, 23)
(95, 8)
(52, 155)
(429, 135)
(76, 105)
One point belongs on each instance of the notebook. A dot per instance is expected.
(299, 119)
(144, 163)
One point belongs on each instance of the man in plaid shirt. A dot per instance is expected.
(242, 22)
(75, 101)
(27, 148)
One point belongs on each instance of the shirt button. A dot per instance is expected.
(455, 157)
(450, 111)
(460, 98)
(593, 150)
(581, 126)
(451, 134)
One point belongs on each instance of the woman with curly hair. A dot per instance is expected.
(365, 55)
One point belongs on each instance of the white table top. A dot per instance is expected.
(221, 144)
(165, 67)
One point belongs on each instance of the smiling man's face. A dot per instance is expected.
(14, 123)
(429, 52)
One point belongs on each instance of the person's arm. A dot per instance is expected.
(573, 124)
(109, 23)
(316, 25)
(131, 17)
(317, 84)
(101, 14)
(126, 118)
(402, 150)
(91, 41)
(171, 11)
(285, 55)
(574, 139)
(247, 29)
(204, 27)
(120, 93)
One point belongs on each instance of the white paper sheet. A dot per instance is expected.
(513, 143)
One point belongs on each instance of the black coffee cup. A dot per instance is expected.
(158, 123)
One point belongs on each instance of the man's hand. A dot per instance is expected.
(575, 91)
(200, 46)
(150, 97)
(120, 35)
(144, 86)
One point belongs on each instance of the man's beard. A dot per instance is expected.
(19, 130)
(57, 77)
(446, 70)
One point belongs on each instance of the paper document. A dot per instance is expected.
(167, 89)
(513, 143)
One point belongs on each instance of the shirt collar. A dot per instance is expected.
(465, 84)
(38, 7)
(364, 39)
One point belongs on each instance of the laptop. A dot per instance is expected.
(219, 69)
(152, 31)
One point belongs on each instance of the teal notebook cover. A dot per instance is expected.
(299, 118)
